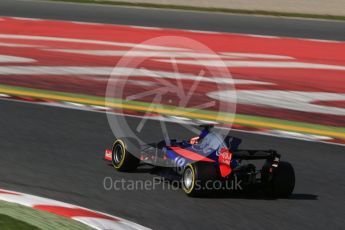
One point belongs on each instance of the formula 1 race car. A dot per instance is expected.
(208, 162)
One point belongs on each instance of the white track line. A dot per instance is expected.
(87, 41)
(95, 109)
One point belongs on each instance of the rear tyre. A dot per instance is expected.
(280, 182)
(122, 159)
(197, 178)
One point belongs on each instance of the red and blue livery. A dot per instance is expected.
(207, 163)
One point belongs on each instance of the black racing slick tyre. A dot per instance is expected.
(123, 160)
(198, 177)
(280, 182)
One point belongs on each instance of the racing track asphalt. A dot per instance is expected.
(56, 152)
(322, 29)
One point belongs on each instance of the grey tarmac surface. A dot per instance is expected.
(57, 153)
(304, 28)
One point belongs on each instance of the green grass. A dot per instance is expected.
(205, 9)
(9, 223)
(17, 217)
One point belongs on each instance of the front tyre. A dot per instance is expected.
(121, 158)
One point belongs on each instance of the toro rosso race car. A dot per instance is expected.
(205, 159)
